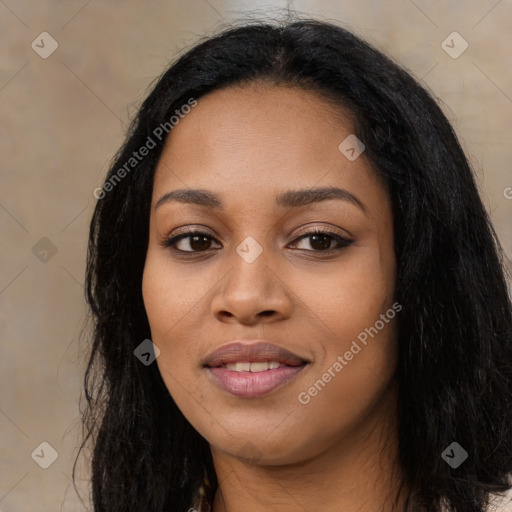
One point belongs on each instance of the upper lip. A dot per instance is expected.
(252, 351)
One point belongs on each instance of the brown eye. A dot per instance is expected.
(321, 241)
(197, 241)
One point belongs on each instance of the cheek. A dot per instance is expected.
(171, 292)
(164, 308)
(357, 306)
(172, 300)
(351, 295)
(350, 384)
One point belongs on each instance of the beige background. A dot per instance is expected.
(62, 119)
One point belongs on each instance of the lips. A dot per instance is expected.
(252, 368)
(252, 351)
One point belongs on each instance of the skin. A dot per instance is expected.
(247, 144)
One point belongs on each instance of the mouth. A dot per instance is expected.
(253, 369)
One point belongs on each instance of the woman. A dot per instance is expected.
(299, 300)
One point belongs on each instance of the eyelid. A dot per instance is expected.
(331, 230)
(182, 233)
(188, 231)
(190, 228)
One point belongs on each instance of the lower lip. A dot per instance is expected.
(254, 384)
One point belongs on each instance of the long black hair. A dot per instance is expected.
(454, 371)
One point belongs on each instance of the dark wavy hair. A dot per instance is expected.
(454, 370)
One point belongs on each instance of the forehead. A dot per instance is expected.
(250, 142)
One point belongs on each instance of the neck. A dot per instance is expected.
(360, 472)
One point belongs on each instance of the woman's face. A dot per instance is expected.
(253, 274)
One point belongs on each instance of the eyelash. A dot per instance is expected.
(342, 241)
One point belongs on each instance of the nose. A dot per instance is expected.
(252, 293)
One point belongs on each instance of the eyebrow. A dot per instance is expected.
(289, 199)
